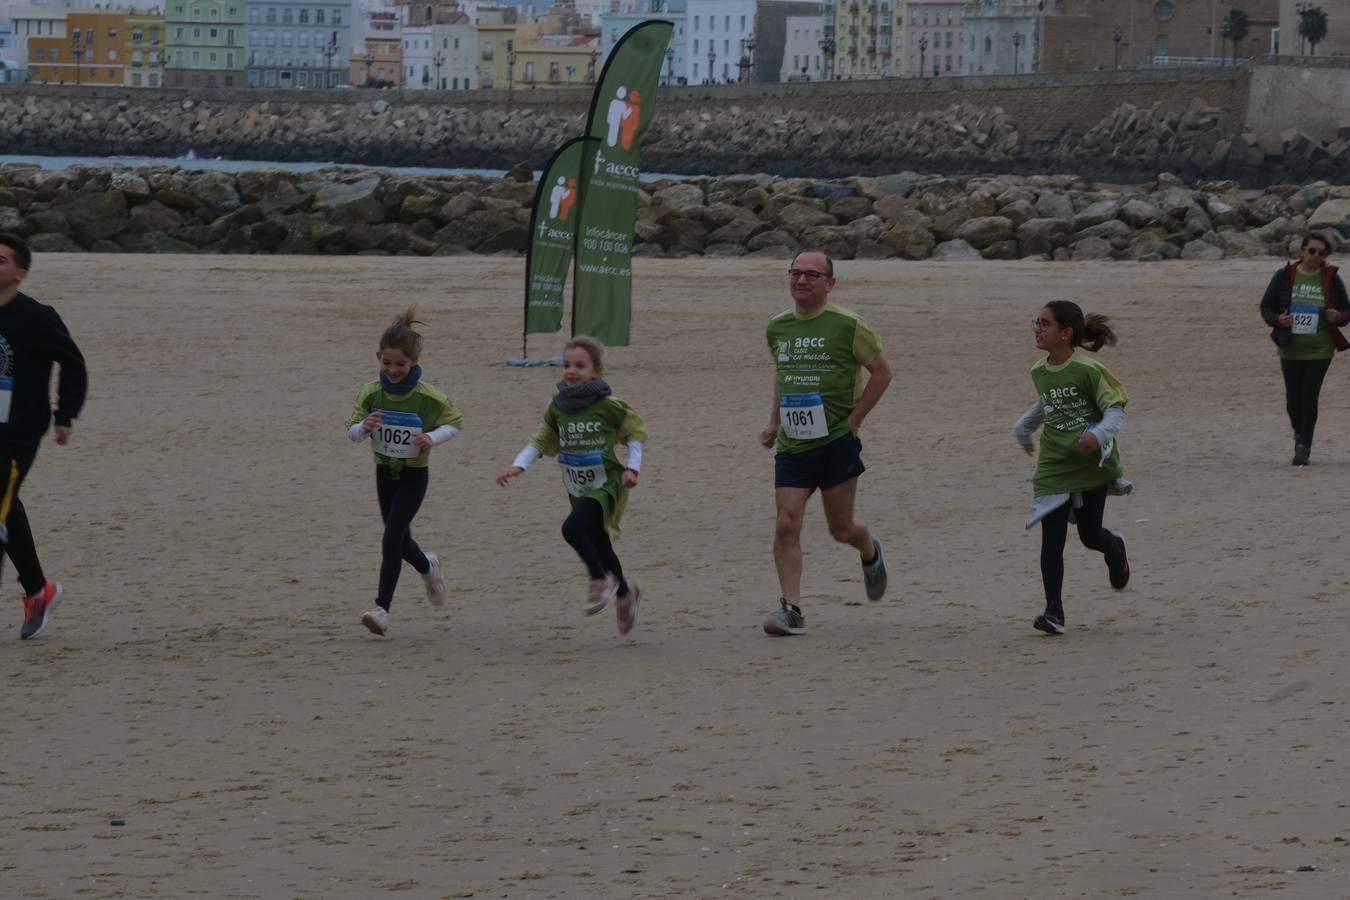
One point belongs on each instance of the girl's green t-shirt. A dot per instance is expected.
(1308, 307)
(1073, 397)
(432, 408)
(584, 443)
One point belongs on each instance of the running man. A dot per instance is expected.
(32, 337)
(819, 403)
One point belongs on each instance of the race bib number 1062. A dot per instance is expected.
(394, 435)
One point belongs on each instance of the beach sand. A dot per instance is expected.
(207, 680)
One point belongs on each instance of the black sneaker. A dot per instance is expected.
(874, 573)
(1301, 454)
(785, 621)
(1049, 622)
(1120, 575)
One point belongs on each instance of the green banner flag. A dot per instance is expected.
(553, 230)
(621, 109)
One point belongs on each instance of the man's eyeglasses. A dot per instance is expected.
(1041, 324)
(1316, 251)
(808, 274)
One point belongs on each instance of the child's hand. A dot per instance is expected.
(629, 478)
(421, 441)
(506, 476)
(1088, 442)
(1029, 449)
(371, 422)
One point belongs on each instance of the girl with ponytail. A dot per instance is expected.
(1082, 407)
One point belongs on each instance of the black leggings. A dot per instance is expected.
(400, 499)
(15, 461)
(1054, 533)
(1302, 385)
(584, 529)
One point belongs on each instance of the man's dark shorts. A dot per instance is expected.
(824, 467)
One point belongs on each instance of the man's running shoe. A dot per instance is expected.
(37, 609)
(785, 621)
(626, 606)
(600, 593)
(377, 620)
(874, 574)
(435, 581)
(1049, 622)
(1120, 575)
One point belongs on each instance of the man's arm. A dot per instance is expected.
(879, 378)
(769, 435)
(74, 381)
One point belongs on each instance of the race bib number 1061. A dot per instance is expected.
(802, 416)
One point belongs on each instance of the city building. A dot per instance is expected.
(25, 23)
(143, 49)
(556, 60)
(614, 25)
(10, 70)
(92, 53)
(377, 61)
(716, 37)
(298, 43)
(865, 38)
(205, 43)
(934, 46)
(1288, 42)
(802, 57)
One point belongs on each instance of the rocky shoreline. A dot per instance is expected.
(910, 216)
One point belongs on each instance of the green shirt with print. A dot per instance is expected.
(820, 360)
(423, 401)
(584, 443)
(1307, 296)
(1073, 396)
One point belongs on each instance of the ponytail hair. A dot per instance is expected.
(401, 336)
(1092, 331)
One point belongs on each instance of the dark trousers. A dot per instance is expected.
(400, 499)
(15, 461)
(584, 529)
(1302, 386)
(1055, 532)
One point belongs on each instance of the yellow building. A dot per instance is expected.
(496, 41)
(868, 36)
(91, 53)
(554, 61)
(143, 50)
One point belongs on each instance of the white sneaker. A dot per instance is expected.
(377, 620)
(599, 594)
(435, 581)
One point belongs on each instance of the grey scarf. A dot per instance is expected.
(576, 397)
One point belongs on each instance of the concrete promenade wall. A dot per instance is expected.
(1299, 93)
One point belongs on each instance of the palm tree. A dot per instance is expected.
(1237, 27)
(1312, 26)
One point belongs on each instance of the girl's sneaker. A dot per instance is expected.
(626, 606)
(600, 593)
(377, 620)
(1120, 575)
(37, 609)
(1049, 622)
(435, 581)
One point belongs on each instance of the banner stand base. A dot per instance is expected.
(534, 361)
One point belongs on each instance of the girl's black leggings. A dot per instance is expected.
(400, 499)
(584, 529)
(1302, 386)
(1055, 532)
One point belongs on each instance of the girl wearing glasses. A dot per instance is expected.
(1304, 304)
(1082, 407)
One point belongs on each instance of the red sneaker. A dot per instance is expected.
(37, 608)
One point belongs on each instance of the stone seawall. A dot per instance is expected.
(817, 129)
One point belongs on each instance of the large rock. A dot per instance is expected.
(955, 251)
(1201, 250)
(1139, 213)
(680, 196)
(1091, 248)
(358, 200)
(1042, 235)
(1054, 205)
(802, 215)
(1096, 214)
(1330, 214)
(982, 231)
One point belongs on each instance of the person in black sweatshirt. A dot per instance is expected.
(32, 337)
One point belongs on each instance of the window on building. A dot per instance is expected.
(211, 58)
(40, 54)
(337, 17)
(213, 33)
(695, 46)
(696, 23)
(229, 36)
(726, 23)
(135, 79)
(112, 56)
(529, 71)
(137, 36)
(304, 17)
(196, 57)
(154, 79)
(318, 17)
(112, 32)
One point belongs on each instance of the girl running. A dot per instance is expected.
(404, 417)
(1082, 406)
(582, 426)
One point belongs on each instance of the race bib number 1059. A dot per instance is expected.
(582, 472)
(394, 435)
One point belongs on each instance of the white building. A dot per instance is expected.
(615, 24)
(935, 40)
(802, 59)
(715, 38)
(48, 20)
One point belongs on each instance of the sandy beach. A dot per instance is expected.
(207, 679)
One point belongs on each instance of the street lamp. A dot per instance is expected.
(438, 60)
(748, 45)
(923, 48)
(827, 46)
(670, 65)
(1226, 32)
(369, 60)
(712, 61)
(77, 52)
(510, 73)
(1017, 47)
(329, 51)
(595, 58)
(1115, 38)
